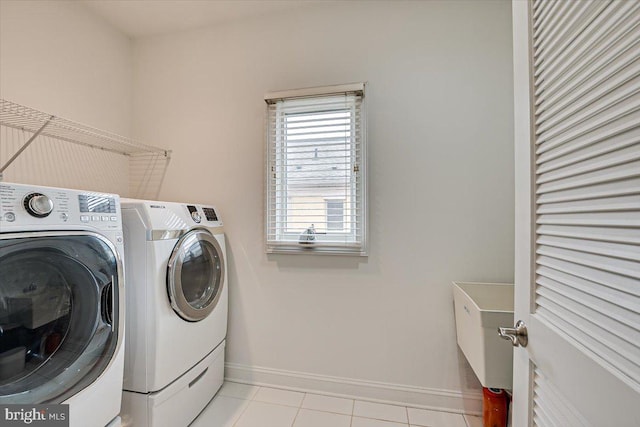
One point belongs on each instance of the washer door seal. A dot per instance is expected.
(195, 275)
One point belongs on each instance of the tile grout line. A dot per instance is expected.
(466, 422)
(245, 408)
(369, 417)
(235, 423)
(255, 393)
(328, 411)
(288, 405)
(353, 410)
(299, 408)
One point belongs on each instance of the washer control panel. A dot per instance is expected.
(47, 207)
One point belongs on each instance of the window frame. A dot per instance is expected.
(277, 202)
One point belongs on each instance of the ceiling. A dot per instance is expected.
(139, 18)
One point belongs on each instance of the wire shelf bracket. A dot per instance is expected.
(148, 163)
(24, 147)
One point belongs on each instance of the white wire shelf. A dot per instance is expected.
(26, 118)
(24, 126)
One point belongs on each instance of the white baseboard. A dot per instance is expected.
(418, 397)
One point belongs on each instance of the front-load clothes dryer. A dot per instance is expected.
(62, 301)
(177, 312)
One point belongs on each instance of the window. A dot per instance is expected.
(315, 201)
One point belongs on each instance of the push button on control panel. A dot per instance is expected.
(98, 218)
(9, 217)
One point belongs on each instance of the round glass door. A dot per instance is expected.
(195, 275)
(58, 322)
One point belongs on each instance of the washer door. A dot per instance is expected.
(195, 275)
(58, 319)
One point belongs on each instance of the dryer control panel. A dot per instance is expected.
(23, 206)
(162, 218)
(209, 215)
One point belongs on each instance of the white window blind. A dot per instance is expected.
(315, 181)
(587, 135)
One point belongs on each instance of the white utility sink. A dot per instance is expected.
(481, 308)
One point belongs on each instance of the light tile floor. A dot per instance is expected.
(241, 405)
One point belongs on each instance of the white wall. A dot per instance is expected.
(58, 57)
(441, 182)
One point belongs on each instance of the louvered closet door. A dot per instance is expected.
(577, 102)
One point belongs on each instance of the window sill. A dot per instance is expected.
(297, 249)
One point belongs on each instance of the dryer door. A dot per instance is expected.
(195, 275)
(58, 320)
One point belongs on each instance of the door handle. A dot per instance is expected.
(518, 335)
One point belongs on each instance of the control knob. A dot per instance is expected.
(196, 217)
(38, 205)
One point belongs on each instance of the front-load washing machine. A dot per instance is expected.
(177, 311)
(62, 301)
